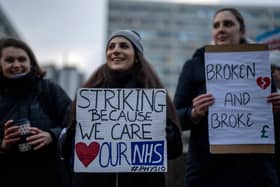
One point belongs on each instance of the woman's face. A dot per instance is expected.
(14, 62)
(226, 29)
(120, 54)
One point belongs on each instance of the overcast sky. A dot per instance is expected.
(71, 30)
(61, 30)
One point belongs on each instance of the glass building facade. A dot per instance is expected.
(172, 32)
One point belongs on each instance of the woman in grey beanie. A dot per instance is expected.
(133, 36)
(125, 67)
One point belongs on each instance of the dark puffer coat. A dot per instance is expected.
(46, 106)
(205, 169)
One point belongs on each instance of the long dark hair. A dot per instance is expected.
(144, 73)
(12, 42)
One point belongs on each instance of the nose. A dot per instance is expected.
(16, 63)
(221, 28)
(116, 50)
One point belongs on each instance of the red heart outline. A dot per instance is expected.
(87, 153)
(263, 82)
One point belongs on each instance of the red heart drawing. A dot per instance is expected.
(87, 153)
(263, 82)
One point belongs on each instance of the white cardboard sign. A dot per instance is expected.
(120, 130)
(240, 82)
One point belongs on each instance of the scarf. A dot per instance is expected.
(18, 87)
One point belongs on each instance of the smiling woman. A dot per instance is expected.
(26, 96)
(126, 68)
(14, 62)
(120, 54)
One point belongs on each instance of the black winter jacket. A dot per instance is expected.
(46, 106)
(205, 169)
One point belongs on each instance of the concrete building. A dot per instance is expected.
(6, 27)
(172, 31)
(68, 77)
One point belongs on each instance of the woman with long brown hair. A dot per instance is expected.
(125, 67)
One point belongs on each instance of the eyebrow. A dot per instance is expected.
(230, 20)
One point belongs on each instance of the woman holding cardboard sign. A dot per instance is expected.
(33, 111)
(125, 69)
(192, 103)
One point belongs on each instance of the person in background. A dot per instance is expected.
(275, 69)
(28, 154)
(192, 103)
(125, 67)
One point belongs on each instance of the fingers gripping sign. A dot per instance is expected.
(274, 98)
(200, 106)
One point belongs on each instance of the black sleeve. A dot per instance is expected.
(174, 140)
(184, 95)
(60, 105)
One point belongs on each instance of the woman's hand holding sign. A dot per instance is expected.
(274, 98)
(201, 104)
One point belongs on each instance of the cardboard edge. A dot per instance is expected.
(242, 148)
(236, 48)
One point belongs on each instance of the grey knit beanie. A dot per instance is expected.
(131, 35)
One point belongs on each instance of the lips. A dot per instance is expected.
(222, 38)
(16, 72)
(117, 59)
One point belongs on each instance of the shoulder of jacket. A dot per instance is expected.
(197, 57)
(47, 83)
(47, 86)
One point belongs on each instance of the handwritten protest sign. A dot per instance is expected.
(241, 120)
(120, 130)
